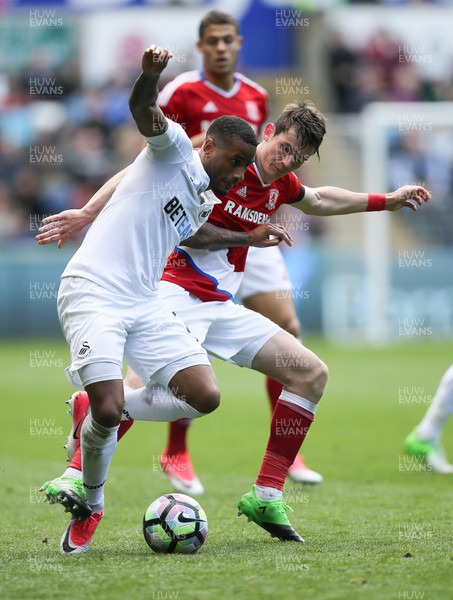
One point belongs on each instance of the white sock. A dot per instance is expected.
(440, 409)
(155, 402)
(297, 400)
(265, 492)
(97, 508)
(71, 472)
(98, 445)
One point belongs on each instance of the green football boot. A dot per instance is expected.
(430, 453)
(270, 515)
(67, 491)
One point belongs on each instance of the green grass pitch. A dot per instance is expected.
(379, 527)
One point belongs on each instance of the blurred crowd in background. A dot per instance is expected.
(60, 139)
(55, 157)
(380, 71)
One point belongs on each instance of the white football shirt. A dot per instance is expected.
(159, 202)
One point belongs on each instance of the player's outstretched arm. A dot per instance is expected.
(66, 225)
(142, 101)
(324, 201)
(213, 238)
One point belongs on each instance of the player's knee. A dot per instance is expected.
(323, 375)
(317, 376)
(106, 401)
(310, 380)
(107, 413)
(206, 398)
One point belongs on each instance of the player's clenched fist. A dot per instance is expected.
(155, 59)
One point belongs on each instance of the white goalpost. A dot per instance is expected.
(375, 306)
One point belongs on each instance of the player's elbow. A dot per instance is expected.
(198, 240)
(315, 206)
(312, 202)
(140, 119)
(149, 122)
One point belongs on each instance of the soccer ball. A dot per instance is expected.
(175, 523)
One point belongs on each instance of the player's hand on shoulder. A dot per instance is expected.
(269, 234)
(411, 196)
(155, 59)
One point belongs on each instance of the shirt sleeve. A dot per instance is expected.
(173, 142)
(295, 191)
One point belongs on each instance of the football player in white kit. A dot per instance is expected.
(108, 303)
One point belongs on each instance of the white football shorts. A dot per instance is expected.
(103, 329)
(265, 271)
(226, 330)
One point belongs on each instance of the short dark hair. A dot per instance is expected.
(309, 122)
(216, 17)
(228, 127)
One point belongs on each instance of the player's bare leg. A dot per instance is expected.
(99, 436)
(176, 462)
(303, 378)
(198, 389)
(175, 459)
(278, 306)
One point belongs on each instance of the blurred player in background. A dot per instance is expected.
(194, 100)
(424, 441)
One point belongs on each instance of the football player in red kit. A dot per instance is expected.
(194, 99)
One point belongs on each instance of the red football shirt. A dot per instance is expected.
(217, 274)
(194, 102)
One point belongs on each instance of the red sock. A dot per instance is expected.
(289, 426)
(274, 389)
(76, 462)
(124, 428)
(177, 436)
